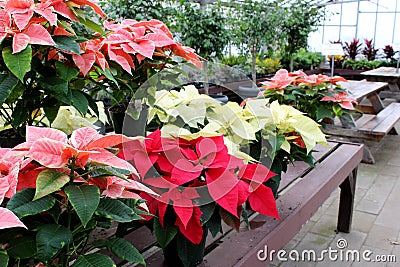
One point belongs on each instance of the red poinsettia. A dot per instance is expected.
(192, 174)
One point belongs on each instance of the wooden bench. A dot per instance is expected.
(376, 122)
(302, 191)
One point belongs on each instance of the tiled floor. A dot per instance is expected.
(376, 221)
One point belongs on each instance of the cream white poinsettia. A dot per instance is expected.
(186, 103)
(288, 119)
(234, 125)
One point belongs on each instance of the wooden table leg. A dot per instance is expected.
(346, 204)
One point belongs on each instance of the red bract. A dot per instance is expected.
(343, 100)
(195, 173)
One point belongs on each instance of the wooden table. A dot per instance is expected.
(385, 74)
(376, 122)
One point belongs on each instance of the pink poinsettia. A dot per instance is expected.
(281, 80)
(52, 149)
(343, 100)
(24, 20)
(131, 40)
(189, 169)
(9, 168)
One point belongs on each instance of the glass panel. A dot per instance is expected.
(348, 34)
(333, 15)
(384, 29)
(366, 6)
(349, 14)
(366, 26)
(387, 5)
(331, 34)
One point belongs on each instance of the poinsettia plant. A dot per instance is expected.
(128, 55)
(37, 72)
(47, 62)
(272, 134)
(55, 191)
(319, 96)
(199, 185)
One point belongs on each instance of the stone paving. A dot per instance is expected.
(376, 220)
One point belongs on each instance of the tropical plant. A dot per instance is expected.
(37, 71)
(389, 52)
(202, 28)
(255, 25)
(304, 59)
(353, 49)
(319, 96)
(363, 64)
(138, 10)
(369, 50)
(300, 18)
(267, 65)
(55, 191)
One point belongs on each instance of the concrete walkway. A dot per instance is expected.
(376, 220)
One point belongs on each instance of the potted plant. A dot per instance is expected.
(37, 71)
(127, 56)
(55, 191)
(319, 96)
(199, 161)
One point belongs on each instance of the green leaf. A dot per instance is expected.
(65, 71)
(92, 104)
(214, 224)
(67, 43)
(22, 203)
(85, 200)
(20, 63)
(116, 210)
(3, 258)
(49, 181)
(54, 84)
(6, 86)
(207, 212)
(51, 113)
(108, 74)
(22, 248)
(164, 235)
(123, 250)
(105, 171)
(79, 101)
(50, 239)
(93, 260)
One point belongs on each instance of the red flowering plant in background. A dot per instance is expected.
(199, 185)
(55, 191)
(52, 53)
(319, 96)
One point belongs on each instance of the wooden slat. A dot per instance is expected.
(384, 121)
(296, 206)
(389, 120)
(299, 168)
(364, 119)
(362, 89)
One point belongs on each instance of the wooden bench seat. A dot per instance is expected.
(369, 127)
(302, 191)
